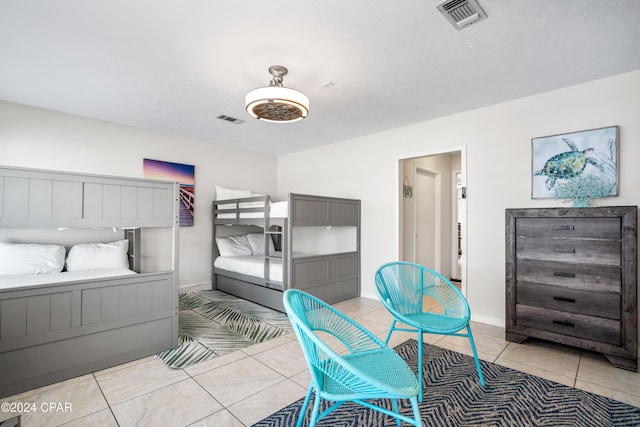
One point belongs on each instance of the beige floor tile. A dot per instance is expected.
(202, 367)
(53, 406)
(286, 359)
(596, 369)
(238, 380)
(381, 315)
(269, 344)
(491, 330)
(618, 395)
(222, 418)
(562, 360)
(489, 345)
(102, 418)
(178, 404)
(135, 380)
(354, 308)
(372, 326)
(538, 372)
(398, 337)
(126, 365)
(431, 304)
(369, 302)
(21, 396)
(268, 401)
(303, 379)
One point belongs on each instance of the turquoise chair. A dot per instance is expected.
(402, 288)
(347, 362)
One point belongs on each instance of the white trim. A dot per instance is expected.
(454, 222)
(488, 320)
(437, 176)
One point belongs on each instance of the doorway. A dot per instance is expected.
(426, 218)
(432, 215)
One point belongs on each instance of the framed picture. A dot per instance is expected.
(184, 175)
(584, 161)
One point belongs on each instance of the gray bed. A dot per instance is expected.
(332, 275)
(54, 331)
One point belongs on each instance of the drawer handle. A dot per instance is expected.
(565, 299)
(563, 274)
(564, 250)
(562, 227)
(564, 323)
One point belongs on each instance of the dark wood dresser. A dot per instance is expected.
(571, 277)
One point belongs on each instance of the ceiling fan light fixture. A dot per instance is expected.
(276, 103)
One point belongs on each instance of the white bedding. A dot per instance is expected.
(251, 266)
(277, 210)
(20, 280)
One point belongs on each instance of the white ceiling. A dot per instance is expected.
(174, 66)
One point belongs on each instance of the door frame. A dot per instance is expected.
(454, 220)
(437, 176)
(462, 149)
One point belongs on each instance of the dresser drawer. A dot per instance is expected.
(594, 228)
(571, 324)
(576, 276)
(601, 304)
(585, 251)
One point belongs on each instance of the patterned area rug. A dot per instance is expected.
(453, 397)
(213, 323)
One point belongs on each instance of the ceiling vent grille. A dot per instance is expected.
(462, 13)
(230, 119)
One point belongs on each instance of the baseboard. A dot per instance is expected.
(195, 287)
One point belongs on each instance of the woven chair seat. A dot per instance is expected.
(372, 370)
(438, 323)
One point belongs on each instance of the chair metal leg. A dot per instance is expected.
(393, 325)
(316, 409)
(475, 356)
(395, 409)
(416, 411)
(303, 411)
(420, 351)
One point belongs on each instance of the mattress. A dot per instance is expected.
(277, 210)
(22, 280)
(250, 265)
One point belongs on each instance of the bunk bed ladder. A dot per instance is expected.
(267, 235)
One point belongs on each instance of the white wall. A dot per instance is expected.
(37, 138)
(498, 140)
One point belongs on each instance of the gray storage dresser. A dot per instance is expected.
(571, 278)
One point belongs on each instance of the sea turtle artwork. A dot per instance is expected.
(568, 164)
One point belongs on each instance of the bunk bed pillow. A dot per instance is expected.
(233, 246)
(256, 241)
(223, 193)
(98, 256)
(30, 258)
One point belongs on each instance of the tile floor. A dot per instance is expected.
(243, 387)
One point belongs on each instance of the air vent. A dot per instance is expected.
(230, 119)
(462, 13)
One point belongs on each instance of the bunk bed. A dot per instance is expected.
(61, 319)
(261, 248)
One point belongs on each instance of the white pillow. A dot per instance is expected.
(223, 193)
(98, 256)
(30, 258)
(257, 244)
(233, 246)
